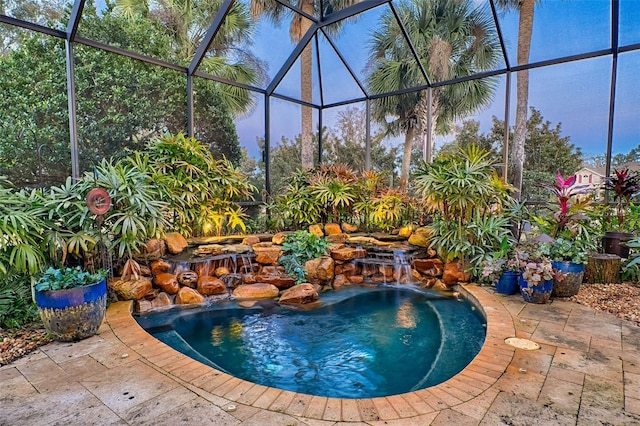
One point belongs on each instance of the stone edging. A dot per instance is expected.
(485, 369)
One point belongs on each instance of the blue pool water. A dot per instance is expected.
(361, 343)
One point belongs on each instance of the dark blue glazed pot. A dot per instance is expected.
(508, 283)
(73, 314)
(569, 284)
(538, 293)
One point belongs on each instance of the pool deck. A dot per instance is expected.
(586, 372)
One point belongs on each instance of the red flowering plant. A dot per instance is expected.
(625, 185)
(568, 206)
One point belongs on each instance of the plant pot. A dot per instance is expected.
(538, 293)
(508, 283)
(73, 314)
(569, 285)
(612, 242)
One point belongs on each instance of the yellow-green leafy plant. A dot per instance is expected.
(202, 191)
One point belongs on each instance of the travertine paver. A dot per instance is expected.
(586, 372)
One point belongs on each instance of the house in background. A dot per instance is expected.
(594, 175)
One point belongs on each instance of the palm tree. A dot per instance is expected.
(187, 22)
(525, 10)
(298, 28)
(453, 39)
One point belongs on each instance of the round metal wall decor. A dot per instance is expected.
(98, 201)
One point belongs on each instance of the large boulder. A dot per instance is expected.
(159, 267)
(279, 280)
(131, 289)
(155, 249)
(421, 237)
(208, 286)
(406, 231)
(278, 238)
(300, 294)
(320, 269)
(251, 240)
(340, 281)
(188, 278)
(316, 230)
(267, 255)
(256, 291)
(428, 267)
(454, 273)
(161, 300)
(167, 283)
(348, 253)
(188, 296)
(332, 229)
(176, 243)
(222, 271)
(348, 228)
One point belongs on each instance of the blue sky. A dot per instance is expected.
(574, 94)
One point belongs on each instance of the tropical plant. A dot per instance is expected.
(569, 207)
(187, 22)
(469, 203)
(525, 10)
(20, 229)
(201, 191)
(498, 262)
(66, 278)
(565, 250)
(631, 267)
(300, 247)
(534, 265)
(453, 39)
(16, 305)
(625, 185)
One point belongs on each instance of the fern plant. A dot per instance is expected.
(299, 248)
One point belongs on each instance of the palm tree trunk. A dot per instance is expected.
(306, 82)
(406, 157)
(525, 29)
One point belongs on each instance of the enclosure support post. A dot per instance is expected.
(612, 94)
(427, 151)
(320, 136)
(190, 120)
(367, 140)
(267, 144)
(73, 125)
(505, 142)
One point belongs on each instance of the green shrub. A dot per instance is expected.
(300, 247)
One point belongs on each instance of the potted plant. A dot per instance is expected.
(566, 234)
(568, 258)
(625, 185)
(501, 269)
(536, 281)
(71, 302)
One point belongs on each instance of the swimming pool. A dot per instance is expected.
(361, 343)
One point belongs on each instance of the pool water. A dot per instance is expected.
(361, 343)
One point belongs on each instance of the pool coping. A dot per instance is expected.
(476, 378)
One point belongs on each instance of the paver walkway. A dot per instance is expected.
(587, 372)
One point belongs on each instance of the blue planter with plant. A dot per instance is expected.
(567, 282)
(71, 302)
(538, 293)
(508, 283)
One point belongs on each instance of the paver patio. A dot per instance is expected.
(587, 372)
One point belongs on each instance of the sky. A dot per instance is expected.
(574, 94)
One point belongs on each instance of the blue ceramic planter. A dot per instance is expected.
(538, 293)
(508, 283)
(569, 284)
(73, 314)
